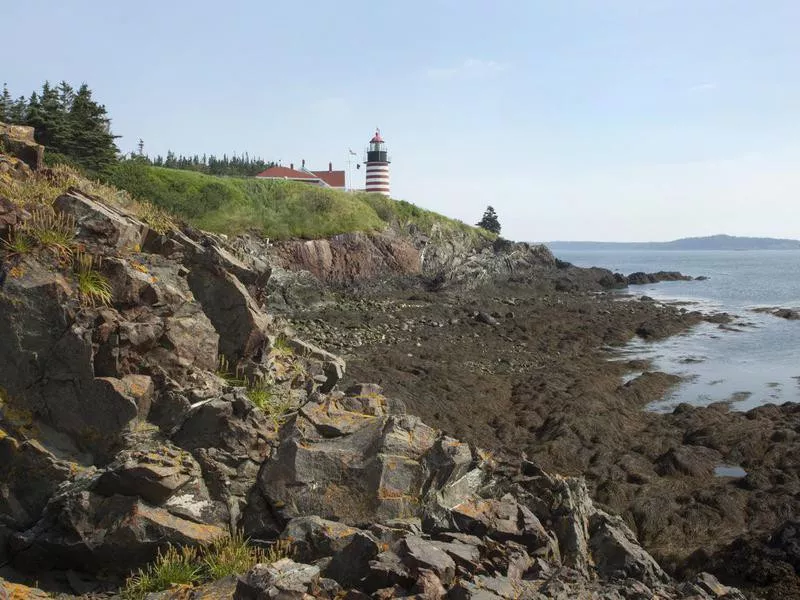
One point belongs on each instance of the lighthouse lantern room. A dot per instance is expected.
(377, 165)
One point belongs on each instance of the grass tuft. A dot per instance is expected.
(94, 288)
(173, 567)
(18, 243)
(231, 556)
(197, 565)
(52, 230)
(281, 347)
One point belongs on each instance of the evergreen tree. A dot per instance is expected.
(92, 144)
(17, 112)
(52, 129)
(6, 104)
(489, 222)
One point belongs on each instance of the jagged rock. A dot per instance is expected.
(420, 555)
(169, 409)
(387, 570)
(233, 425)
(47, 370)
(335, 417)
(254, 272)
(333, 366)
(490, 588)
(86, 531)
(564, 503)
(30, 475)
(378, 471)
(313, 537)
(230, 439)
(101, 225)
(18, 140)
(222, 589)
(616, 553)
(11, 215)
(466, 556)
(428, 586)
(350, 549)
(504, 519)
(282, 580)
(151, 475)
(508, 559)
(241, 325)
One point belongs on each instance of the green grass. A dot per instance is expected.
(197, 565)
(94, 287)
(174, 566)
(276, 209)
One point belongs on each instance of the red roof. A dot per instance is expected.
(377, 138)
(332, 178)
(286, 173)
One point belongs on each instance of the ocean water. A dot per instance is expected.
(752, 361)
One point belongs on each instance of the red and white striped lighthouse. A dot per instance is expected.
(377, 165)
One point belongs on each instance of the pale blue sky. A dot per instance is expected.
(576, 119)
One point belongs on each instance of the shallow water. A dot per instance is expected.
(729, 471)
(749, 362)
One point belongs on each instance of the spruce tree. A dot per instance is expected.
(6, 104)
(18, 111)
(490, 222)
(91, 144)
(52, 129)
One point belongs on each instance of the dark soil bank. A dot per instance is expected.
(526, 373)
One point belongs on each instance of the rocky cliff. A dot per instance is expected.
(148, 399)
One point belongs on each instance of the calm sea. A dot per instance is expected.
(756, 359)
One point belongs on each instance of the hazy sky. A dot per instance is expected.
(576, 119)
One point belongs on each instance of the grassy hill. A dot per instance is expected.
(276, 209)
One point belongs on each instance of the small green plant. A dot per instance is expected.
(279, 550)
(174, 566)
(197, 565)
(281, 347)
(93, 286)
(230, 556)
(298, 370)
(259, 391)
(18, 243)
(231, 378)
(54, 231)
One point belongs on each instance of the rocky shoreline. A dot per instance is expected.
(217, 390)
(535, 379)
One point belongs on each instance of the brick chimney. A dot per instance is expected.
(304, 163)
(330, 166)
(291, 166)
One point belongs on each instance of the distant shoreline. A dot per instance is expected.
(716, 242)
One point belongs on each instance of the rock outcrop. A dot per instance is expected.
(178, 412)
(18, 141)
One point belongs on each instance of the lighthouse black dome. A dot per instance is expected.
(377, 165)
(377, 152)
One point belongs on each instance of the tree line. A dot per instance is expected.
(76, 130)
(69, 122)
(233, 166)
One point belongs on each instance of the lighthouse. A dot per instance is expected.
(377, 165)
